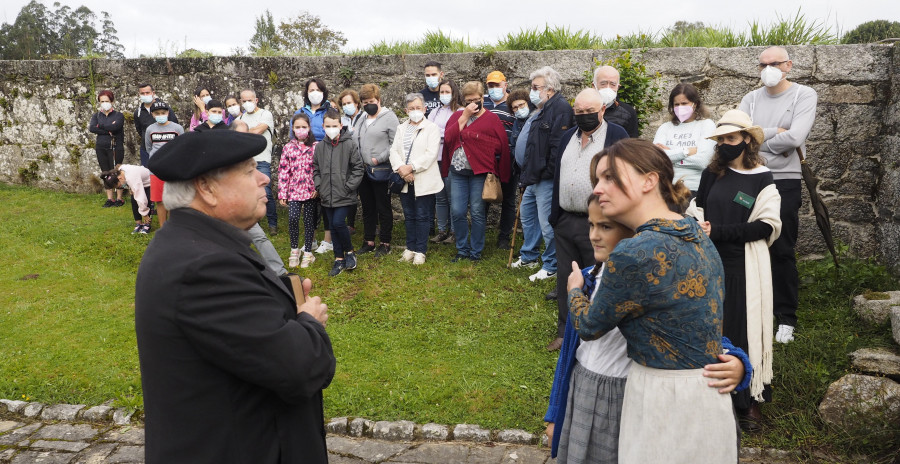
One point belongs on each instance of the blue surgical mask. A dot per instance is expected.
(496, 93)
(206, 99)
(215, 118)
(535, 97)
(522, 112)
(445, 98)
(349, 109)
(161, 119)
(432, 81)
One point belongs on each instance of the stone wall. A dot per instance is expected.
(854, 148)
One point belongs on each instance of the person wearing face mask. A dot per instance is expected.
(215, 118)
(571, 186)
(374, 135)
(260, 121)
(433, 77)
(156, 136)
(738, 207)
(351, 109)
(201, 100)
(315, 104)
(232, 109)
(414, 158)
(297, 191)
(109, 124)
(685, 137)
(450, 102)
(496, 102)
(143, 118)
(786, 111)
(606, 81)
(521, 109)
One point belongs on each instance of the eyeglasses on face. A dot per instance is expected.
(773, 64)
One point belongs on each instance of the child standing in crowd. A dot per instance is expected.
(739, 208)
(684, 138)
(215, 119)
(589, 384)
(297, 190)
(337, 173)
(156, 135)
(137, 179)
(233, 108)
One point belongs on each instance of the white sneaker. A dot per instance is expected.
(524, 264)
(324, 247)
(294, 259)
(419, 259)
(541, 275)
(785, 333)
(308, 258)
(407, 256)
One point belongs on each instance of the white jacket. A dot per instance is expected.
(422, 157)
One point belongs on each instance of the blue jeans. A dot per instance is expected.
(264, 168)
(535, 217)
(417, 216)
(340, 234)
(465, 196)
(442, 200)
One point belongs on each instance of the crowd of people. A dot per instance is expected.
(674, 259)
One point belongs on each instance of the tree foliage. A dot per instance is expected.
(305, 33)
(43, 33)
(637, 86)
(873, 31)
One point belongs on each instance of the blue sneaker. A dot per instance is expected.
(137, 229)
(145, 229)
(349, 261)
(337, 268)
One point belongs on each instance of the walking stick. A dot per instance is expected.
(512, 243)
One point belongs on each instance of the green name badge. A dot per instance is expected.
(744, 200)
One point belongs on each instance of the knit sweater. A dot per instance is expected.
(485, 144)
(682, 138)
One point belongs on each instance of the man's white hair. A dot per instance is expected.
(551, 78)
(181, 193)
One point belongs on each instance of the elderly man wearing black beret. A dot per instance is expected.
(232, 367)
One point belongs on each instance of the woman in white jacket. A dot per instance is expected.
(414, 155)
(684, 138)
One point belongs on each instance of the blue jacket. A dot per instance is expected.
(316, 119)
(559, 392)
(614, 133)
(547, 129)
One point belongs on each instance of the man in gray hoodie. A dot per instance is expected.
(786, 111)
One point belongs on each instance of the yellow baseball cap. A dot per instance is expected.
(496, 76)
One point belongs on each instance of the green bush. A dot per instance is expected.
(637, 86)
(873, 31)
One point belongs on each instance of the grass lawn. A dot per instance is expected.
(446, 343)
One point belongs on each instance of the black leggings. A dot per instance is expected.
(108, 158)
(135, 208)
(310, 210)
(376, 209)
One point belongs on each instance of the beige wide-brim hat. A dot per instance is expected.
(736, 121)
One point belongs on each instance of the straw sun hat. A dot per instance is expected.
(735, 121)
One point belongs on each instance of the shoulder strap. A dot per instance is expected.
(409, 152)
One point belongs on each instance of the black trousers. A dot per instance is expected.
(134, 204)
(376, 209)
(572, 244)
(785, 279)
(508, 207)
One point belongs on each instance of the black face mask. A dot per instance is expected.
(477, 106)
(587, 122)
(729, 153)
(371, 108)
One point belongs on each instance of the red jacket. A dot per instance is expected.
(484, 141)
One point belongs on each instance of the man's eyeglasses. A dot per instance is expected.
(538, 87)
(773, 64)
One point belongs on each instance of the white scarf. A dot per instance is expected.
(758, 270)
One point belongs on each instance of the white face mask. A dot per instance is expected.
(315, 97)
(608, 95)
(770, 76)
(432, 81)
(234, 110)
(206, 99)
(445, 98)
(146, 99)
(332, 132)
(416, 115)
(249, 106)
(105, 106)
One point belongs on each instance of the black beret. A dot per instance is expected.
(194, 153)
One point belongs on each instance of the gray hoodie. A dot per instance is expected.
(375, 139)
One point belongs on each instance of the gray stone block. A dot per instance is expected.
(876, 361)
(17, 435)
(861, 402)
(122, 416)
(435, 453)
(6, 426)
(470, 432)
(360, 427)
(129, 435)
(368, 450)
(876, 311)
(59, 445)
(854, 63)
(338, 425)
(95, 454)
(515, 436)
(43, 457)
(97, 414)
(525, 455)
(127, 454)
(32, 409)
(69, 432)
(895, 323)
(435, 432)
(66, 412)
(394, 430)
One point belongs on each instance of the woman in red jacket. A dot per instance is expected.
(475, 144)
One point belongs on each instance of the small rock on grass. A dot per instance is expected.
(338, 425)
(394, 430)
(470, 432)
(435, 432)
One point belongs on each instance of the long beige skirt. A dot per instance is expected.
(672, 416)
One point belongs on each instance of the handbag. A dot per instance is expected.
(395, 182)
(492, 191)
(378, 173)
